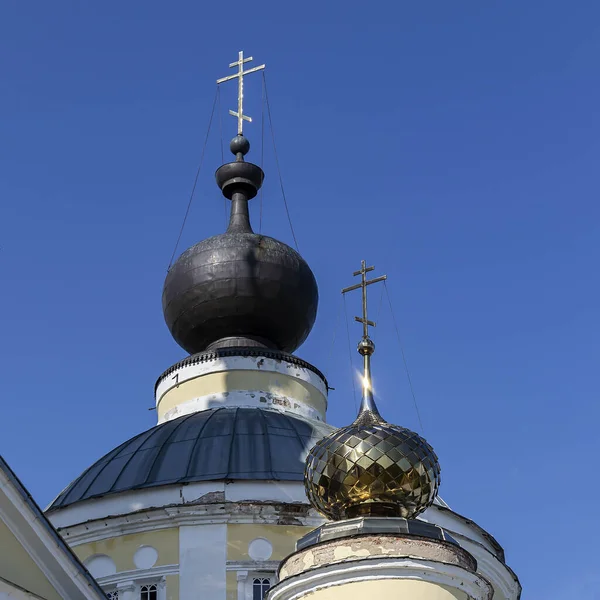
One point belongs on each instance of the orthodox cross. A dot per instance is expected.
(241, 117)
(363, 284)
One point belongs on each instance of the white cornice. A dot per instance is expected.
(293, 588)
(200, 492)
(190, 506)
(9, 588)
(177, 516)
(491, 567)
(269, 514)
(269, 566)
(36, 536)
(185, 372)
(138, 575)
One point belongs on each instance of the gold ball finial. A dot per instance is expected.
(366, 347)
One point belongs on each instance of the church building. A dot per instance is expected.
(242, 489)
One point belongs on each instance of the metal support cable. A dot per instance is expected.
(330, 355)
(412, 391)
(277, 163)
(187, 210)
(221, 125)
(374, 334)
(222, 144)
(262, 149)
(350, 354)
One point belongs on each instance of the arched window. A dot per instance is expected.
(260, 587)
(148, 592)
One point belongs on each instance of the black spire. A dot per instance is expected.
(239, 181)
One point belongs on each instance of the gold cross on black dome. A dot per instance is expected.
(241, 117)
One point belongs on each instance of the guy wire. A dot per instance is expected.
(277, 163)
(187, 210)
(262, 149)
(350, 354)
(337, 318)
(378, 313)
(412, 391)
(222, 143)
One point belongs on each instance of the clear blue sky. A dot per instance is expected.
(455, 145)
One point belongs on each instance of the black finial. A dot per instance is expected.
(239, 146)
(239, 181)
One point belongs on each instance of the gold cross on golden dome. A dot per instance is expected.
(363, 284)
(241, 117)
(366, 347)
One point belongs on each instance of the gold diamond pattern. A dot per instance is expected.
(372, 467)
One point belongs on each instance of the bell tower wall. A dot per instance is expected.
(214, 380)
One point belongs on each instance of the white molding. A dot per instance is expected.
(494, 570)
(11, 590)
(138, 576)
(133, 501)
(468, 534)
(125, 586)
(166, 518)
(178, 495)
(244, 399)
(452, 576)
(238, 363)
(31, 551)
(129, 587)
(245, 502)
(84, 516)
(270, 566)
(128, 590)
(41, 546)
(188, 372)
(241, 577)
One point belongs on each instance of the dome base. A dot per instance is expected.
(241, 341)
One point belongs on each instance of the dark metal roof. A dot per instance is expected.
(222, 443)
(240, 289)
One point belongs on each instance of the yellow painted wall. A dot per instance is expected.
(216, 383)
(388, 588)
(172, 582)
(122, 549)
(282, 537)
(19, 568)
(231, 585)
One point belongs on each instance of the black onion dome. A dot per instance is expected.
(211, 445)
(240, 288)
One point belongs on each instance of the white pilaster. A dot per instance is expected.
(127, 590)
(202, 560)
(242, 577)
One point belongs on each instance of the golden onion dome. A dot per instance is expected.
(371, 467)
